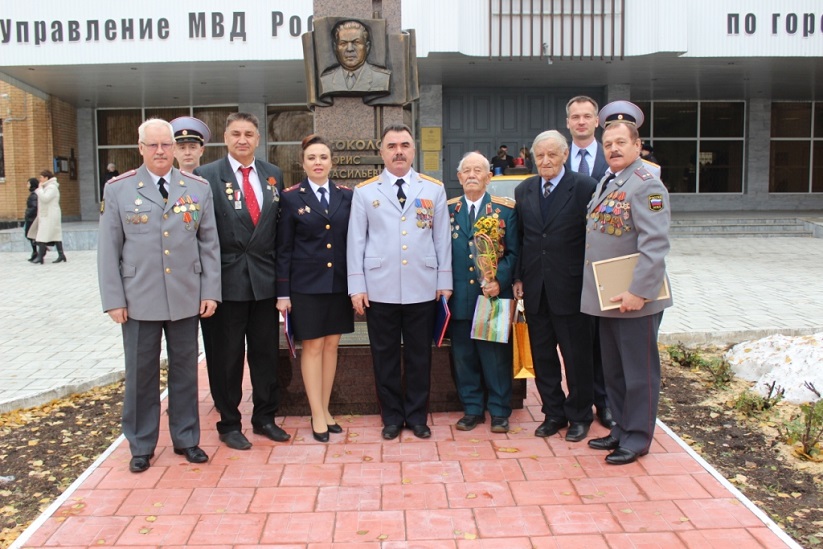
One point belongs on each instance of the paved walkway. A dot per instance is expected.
(504, 490)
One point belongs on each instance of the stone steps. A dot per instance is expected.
(703, 227)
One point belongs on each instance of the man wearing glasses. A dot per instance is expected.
(158, 264)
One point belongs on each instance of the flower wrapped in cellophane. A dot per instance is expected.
(488, 247)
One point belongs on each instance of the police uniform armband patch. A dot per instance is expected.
(367, 182)
(503, 201)
(656, 202)
(433, 180)
(102, 207)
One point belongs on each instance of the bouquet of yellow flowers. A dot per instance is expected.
(488, 247)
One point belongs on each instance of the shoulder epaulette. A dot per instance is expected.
(643, 173)
(433, 180)
(454, 200)
(293, 187)
(195, 177)
(503, 200)
(121, 176)
(366, 182)
(343, 187)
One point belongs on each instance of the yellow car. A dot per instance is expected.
(504, 185)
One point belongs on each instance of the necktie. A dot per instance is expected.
(546, 201)
(547, 188)
(349, 80)
(583, 167)
(161, 185)
(472, 215)
(251, 198)
(606, 183)
(401, 196)
(323, 202)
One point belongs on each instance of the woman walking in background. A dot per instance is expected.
(47, 228)
(311, 276)
(31, 215)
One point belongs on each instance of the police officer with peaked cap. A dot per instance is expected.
(190, 138)
(631, 113)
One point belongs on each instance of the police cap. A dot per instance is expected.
(625, 111)
(188, 129)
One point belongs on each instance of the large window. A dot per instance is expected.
(286, 126)
(796, 158)
(117, 134)
(698, 144)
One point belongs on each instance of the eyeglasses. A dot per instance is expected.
(155, 146)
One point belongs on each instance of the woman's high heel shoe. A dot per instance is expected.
(61, 259)
(335, 428)
(319, 437)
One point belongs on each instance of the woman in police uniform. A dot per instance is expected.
(311, 275)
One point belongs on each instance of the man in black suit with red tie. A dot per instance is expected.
(551, 213)
(246, 202)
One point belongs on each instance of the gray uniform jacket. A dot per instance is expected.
(155, 259)
(632, 215)
(399, 254)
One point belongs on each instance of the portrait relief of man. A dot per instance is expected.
(353, 75)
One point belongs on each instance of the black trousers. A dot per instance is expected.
(388, 323)
(238, 329)
(573, 333)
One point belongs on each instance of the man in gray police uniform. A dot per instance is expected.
(629, 214)
(399, 261)
(158, 264)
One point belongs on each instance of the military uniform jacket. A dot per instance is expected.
(399, 253)
(246, 251)
(159, 260)
(630, 216)
(464, 272)
(311, 244)
(551, 253)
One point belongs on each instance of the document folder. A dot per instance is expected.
(614, 276)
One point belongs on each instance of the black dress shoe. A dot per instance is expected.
(194, 454)
(61, 259)
(138, 464)
(500, 425)
(577, 431)
(271, 431)
(604, 443)
(421, 431)
(319, 437)
(235, 440)
(335, 428)
(469, 422)
(391, 431)
(550, 427)
(622, 456)
(604, 416)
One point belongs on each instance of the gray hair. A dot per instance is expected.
(551, 135)
(141, 131)
(468, 154)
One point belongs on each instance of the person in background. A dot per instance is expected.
(111, 173)
(481, 368)
(31, 215)
(47, 229)
(502, 160)
(526, 158)
(311, 276)
(190, 138)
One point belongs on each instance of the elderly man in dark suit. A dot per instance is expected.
(158, 261)
(586, 157)
(551, 212)
(246, 195)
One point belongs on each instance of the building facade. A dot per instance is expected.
(732, 91)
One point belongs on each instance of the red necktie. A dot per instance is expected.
(251, 198)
